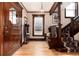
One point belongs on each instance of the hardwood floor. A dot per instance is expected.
(40, 48)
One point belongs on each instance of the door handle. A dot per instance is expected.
(6, 31)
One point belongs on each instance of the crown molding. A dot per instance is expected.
(23, 6)
(37, 12)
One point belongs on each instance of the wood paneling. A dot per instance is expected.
(10, 32)
(1, 28)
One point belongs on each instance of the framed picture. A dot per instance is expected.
(55, 19)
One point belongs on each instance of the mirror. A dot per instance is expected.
(12, 15)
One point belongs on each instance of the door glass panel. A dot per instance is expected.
(38, 25)
(12, 15)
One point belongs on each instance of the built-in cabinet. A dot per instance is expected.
(10, 27)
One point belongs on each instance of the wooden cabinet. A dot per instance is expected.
(10, 34)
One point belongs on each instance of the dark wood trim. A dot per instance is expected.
(75, 18)
(18, 5)
(76, 10)
(34, 15)
(23, 6)
(55, 5)
(37, 39)
(65, 26)
(59, 30)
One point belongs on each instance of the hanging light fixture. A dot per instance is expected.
(42, 7)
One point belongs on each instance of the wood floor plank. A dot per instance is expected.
(40, 48)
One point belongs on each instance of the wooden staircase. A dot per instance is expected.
(72, 27)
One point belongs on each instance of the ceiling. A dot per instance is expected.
(36, 6)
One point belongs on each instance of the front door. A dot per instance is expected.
(38, 25)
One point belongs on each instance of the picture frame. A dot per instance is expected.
(55, 19)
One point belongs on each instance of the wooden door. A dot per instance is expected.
(12, 31)
(7, 31)
(1, 28)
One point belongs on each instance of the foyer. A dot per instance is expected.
(39, 28)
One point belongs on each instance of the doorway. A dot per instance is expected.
(38, 25)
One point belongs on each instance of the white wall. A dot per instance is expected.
(48, 22)
(64, 21)
(24, 14)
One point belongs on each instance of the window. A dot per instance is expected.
(12, 15)
(38, 25)
(70, 10)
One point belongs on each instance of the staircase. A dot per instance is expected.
(68, 35)
(73, 27)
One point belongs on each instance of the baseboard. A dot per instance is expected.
(37, 39)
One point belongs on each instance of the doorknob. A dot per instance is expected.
(6, 31)
(6, 27)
